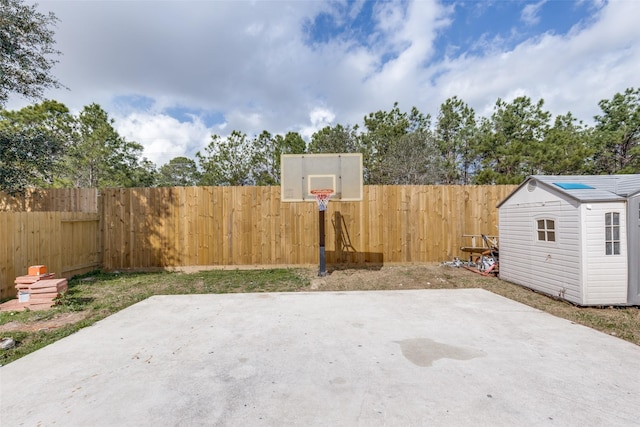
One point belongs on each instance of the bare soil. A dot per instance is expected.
(59, 320)
(390, 277)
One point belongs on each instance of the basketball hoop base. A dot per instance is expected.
(322, 270)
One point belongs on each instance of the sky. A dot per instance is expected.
(172, 73)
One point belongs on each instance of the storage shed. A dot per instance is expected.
(574, 237)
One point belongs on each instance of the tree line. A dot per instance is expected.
(44, 145)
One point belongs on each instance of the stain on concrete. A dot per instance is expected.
(243, 372)
(424, 351)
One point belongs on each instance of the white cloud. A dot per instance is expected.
(356, 8)
(164, 137)
(411, 38)
(320, 118)
(530, 12)
(390, 16)
(249, 62)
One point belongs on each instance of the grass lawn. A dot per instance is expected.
(95, 296)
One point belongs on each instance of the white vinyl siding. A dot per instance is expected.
(549, 267)
(605, 276)
(633, 245)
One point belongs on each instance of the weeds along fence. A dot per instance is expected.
(57, 228)
(74, 231)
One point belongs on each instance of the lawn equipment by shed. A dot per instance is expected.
(486, 263)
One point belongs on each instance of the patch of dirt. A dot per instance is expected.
(58, 321)
(429, 276)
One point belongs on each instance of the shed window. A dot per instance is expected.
(612, 233)
(546, 230)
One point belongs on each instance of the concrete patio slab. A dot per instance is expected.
(424, 357)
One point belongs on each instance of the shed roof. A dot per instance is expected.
(588, 188)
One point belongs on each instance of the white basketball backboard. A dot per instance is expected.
(302, 173)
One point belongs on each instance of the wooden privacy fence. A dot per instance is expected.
(68, 243)
(222, 226)
(59, 228)
(52, 200)
(147, 228)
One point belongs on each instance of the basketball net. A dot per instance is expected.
(322, 197)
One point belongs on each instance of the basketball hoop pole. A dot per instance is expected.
(323, 260)
(322, 197)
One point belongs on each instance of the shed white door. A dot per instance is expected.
(634, 250)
